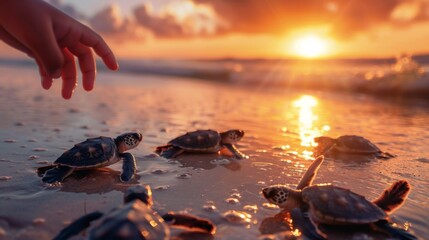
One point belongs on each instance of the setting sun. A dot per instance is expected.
(310, 46)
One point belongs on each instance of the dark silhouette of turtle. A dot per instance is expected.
(202, 141)
(135, 220)
(95, 153)
(328, 205)
(348, 144)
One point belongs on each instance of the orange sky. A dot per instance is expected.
(255, 28)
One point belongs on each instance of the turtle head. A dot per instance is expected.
(324, 144)
(278, 195)
(140, 192)
(128, 141)
(232, 136)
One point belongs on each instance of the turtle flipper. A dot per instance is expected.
(324, 145)
(311, 172)
(301, 221)
(393, 197)
(160, 149)
(235, 151)
(385, 155)
(42, 170)
(128, 166)
(395, 232)
(189, 221)
(57, 174)
(171, 152)
(78, 225)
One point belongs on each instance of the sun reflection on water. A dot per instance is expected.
(308, 130)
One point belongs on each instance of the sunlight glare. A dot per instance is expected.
(307, 130)
(310, 46)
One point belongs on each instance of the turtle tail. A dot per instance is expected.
(57, 174)
(393, 197)
(189, 222)
(171, 152)
(395, 232)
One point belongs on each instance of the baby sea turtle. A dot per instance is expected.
(202, 141)
(330, 205)
(135, 220)
(348, 144)
(95, 153)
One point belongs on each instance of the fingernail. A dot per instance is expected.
(56, 74)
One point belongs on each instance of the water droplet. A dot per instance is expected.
(9, 141)
(39, 221)
(173, 162)
(234, 190)
(286, 160)
(19, 124)
(251, 208)
(40, 149)
(5, 178)
(261, 183)
(262, 164)
(237, 217)
(163, 187)
(32, 140)
(159, 171)
(184, 176)
(209, 207)
(222, 161)
(269, 206)
(42, 162)
(232, 201)
(236, 195)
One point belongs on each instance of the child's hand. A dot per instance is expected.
(53, 39)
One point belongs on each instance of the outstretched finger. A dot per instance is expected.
(95, 41)
(69, 74)
(86, 64)
(45, 78)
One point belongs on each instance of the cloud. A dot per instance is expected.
(198, 18)
(110, 22)
(161, 26)
(343, 18)
(179, 19)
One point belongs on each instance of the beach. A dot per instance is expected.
(37, 126)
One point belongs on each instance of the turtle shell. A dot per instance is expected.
(355, 144)
(94, 152)
(134, 220)
(339, 206)
(200, 140)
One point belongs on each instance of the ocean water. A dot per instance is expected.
(280, 122)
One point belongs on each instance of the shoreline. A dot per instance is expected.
(37, 126)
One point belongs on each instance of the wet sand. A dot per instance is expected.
(37, 126)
